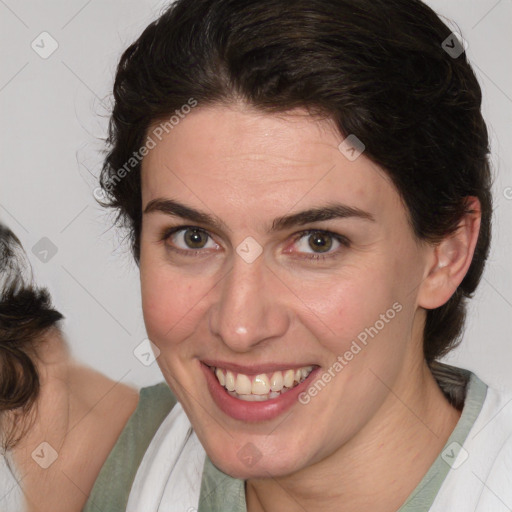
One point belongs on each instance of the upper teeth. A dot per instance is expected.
(263, 383)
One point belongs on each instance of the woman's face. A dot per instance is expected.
(236, 277)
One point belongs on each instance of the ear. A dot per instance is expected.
(450, 259)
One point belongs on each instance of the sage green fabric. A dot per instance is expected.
(423, 496)
(222, 493)
(112, 487)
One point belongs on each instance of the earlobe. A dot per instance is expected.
(451, 259)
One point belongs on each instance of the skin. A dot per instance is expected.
(369, 437)
(80, 413)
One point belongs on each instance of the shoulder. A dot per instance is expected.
(112, 487)
(77, 419)
(492, 403)
(155, 403)
(497, 407)
(158, 396)
(481, 471)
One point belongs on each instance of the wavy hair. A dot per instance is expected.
(26, 314)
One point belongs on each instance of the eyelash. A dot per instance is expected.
(166, 234)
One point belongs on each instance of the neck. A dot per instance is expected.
(381, 465)
(80, 414)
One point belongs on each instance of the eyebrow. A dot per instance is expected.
(317, 214)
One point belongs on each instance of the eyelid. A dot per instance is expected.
(318, 256)
(337, 236)
(169, 232)
(343, 240)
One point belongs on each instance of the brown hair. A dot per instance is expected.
(376, 67)
(26, 315)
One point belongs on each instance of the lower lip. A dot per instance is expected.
(253, 411)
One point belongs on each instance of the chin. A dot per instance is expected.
(249, 462)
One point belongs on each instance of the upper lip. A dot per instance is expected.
(256, 368)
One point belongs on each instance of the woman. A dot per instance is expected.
(58, 419)
(307, 189)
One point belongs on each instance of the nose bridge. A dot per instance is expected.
(247, 309)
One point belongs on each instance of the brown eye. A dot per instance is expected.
(188, 239)
(195, 238)
(320, 240)
(317, 244)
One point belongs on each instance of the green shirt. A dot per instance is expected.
(222, 493)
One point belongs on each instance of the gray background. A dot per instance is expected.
(54, 116)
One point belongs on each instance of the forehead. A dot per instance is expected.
(234, 155)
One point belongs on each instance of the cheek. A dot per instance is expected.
(175, 304)
(364, 306)
(166, 301)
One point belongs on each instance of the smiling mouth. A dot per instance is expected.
(261, 387)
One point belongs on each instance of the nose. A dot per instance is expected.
(249, 307)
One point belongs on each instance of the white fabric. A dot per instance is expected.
(483, 482)
(11, 495)
(169, 477)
